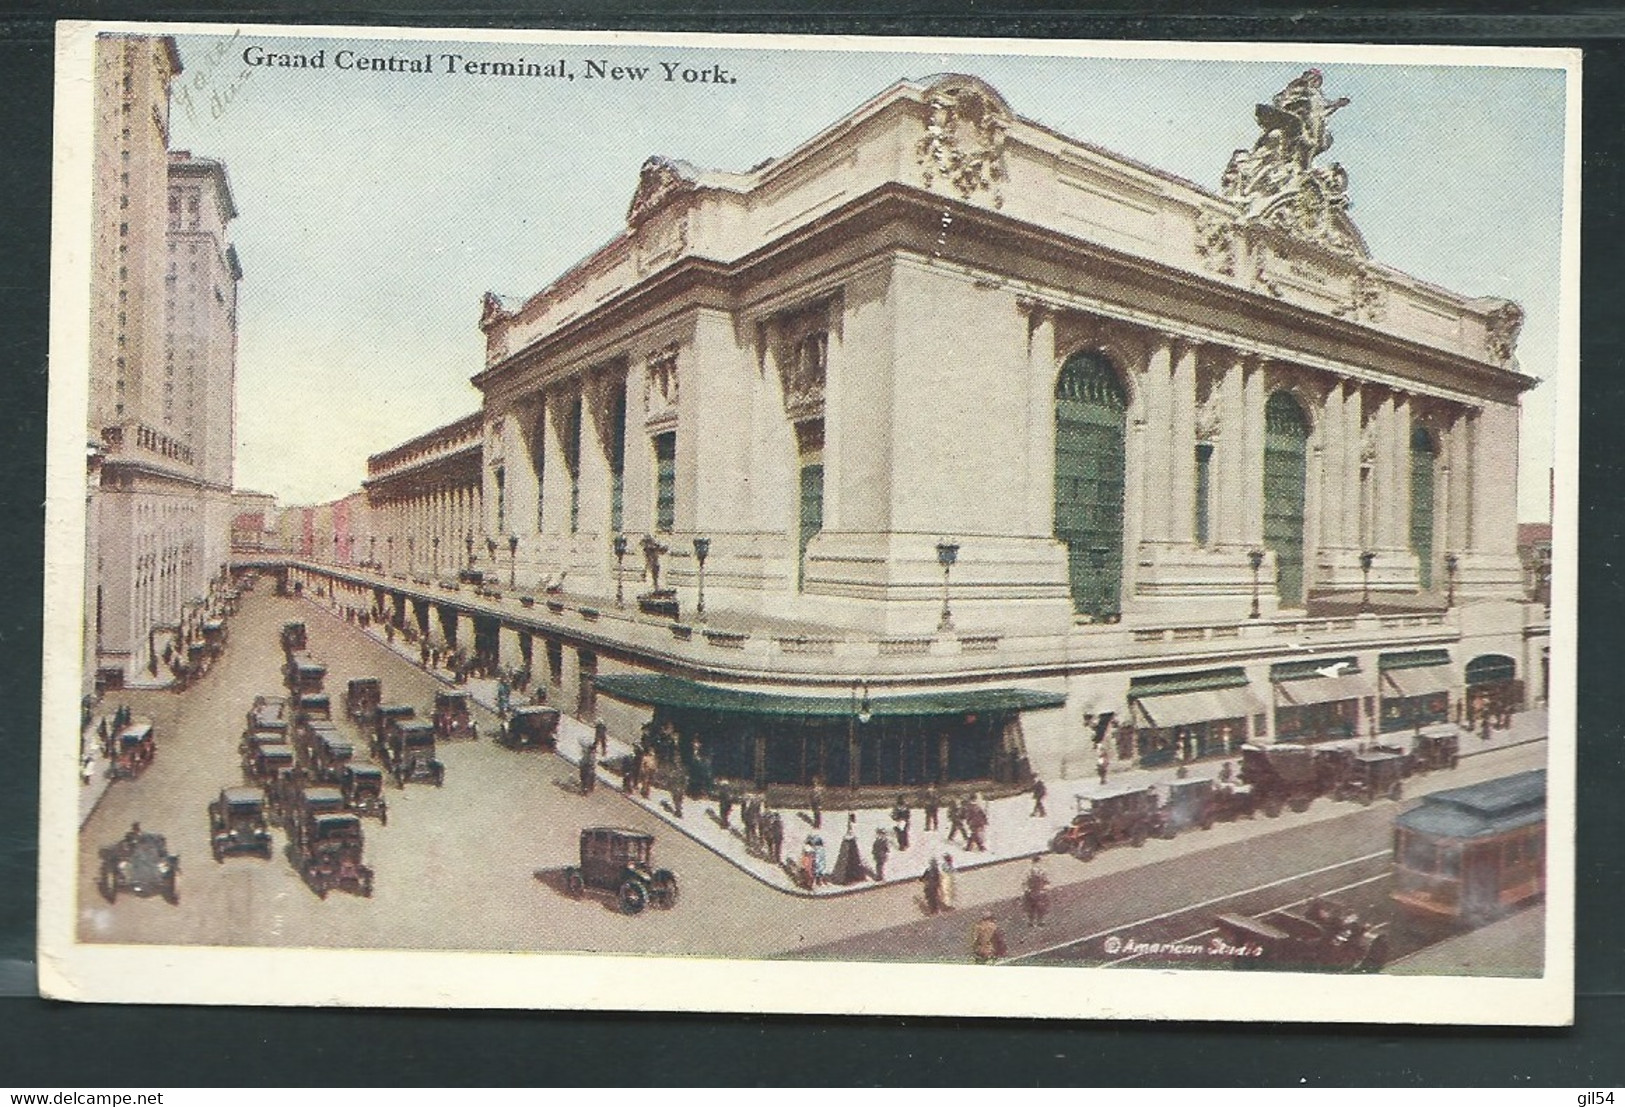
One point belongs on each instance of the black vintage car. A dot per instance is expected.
(329, 751)
(329, 851)
(386, 717)
(1436, 747)
(409, 754)
(362, 783)
(269, 715)
(267, 763)
(303, 673)
(237, 824)
(133, 750)
(308, 804)
(1322, 936)
(1372, 774)
(1105, 818)
(1203, 801)
(1283, 775)
(620, 862)
(454, 716)
(139, 863)
(314, 706)
(293, 637)
(361, 699)
(532, 726)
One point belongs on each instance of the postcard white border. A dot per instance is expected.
(72, 970)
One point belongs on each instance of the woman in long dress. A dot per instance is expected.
(949, 893)
(849, 861)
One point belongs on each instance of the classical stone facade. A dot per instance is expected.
(945, 432)
(163, 368)
(424, 506)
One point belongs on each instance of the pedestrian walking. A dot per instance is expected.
(1035, 893)
(932, 803)
(725, 804)
(950, 890)
(1039, 792)
(820, 859)
(629, 774)
(588, 767)
(932, 882)
(956, 821)
(976, 824)
(600, 735)
(646, 772)
(880, 851)
(87, 768)
(902, 818)
(817, 801)
(986, 940)
(849, 861)
(775, 837)
(748, 812)
(809, 864)
(679, 786)
(1101, 763)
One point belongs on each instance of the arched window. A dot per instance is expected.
(1423, 456)
(1286, 438)
(1090, 420)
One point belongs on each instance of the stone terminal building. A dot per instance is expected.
(945, 447)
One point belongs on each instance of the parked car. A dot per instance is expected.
(1437, 747)
(1371, 774)
(385, 718)
(329, 851)
(362, 783)
(620, 862)
(308, 804)
(1203, 801)
(304, 673)
(1105, 818)
(454, 716)
(293, 635)
(265, 763)
(1324, 935)
(409, 754)
(237, 824)
(133, 750)
(315, 706)
(1283, 775)
(530, 727)
(330, 751)
(269, 715)
(361, 699)
(139, 863)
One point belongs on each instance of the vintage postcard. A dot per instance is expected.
(788, 524)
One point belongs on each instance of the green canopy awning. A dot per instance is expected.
(661, 690)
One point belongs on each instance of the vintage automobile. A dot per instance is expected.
(269, 715)
(329, 851)
(265, 763)
(531, 726)
(362, 697)
(620, 862)
(214, 636)
(386, 718)
(409, 754)
(1129, 814)
(1372, 773)
(237, 824)
(304, 673)
(1436, 747)
(313, 706)
(308, 803)
(1282, 775)
(1203, 801)
(1322, 936)
(139, 863)
(362, 783)
(133, 750)
(293, 636)
(330, 751)
(454, 716)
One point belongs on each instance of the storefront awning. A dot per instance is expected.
(1298, 693)
(661, 690)
(1189, 708)
(1408, 683)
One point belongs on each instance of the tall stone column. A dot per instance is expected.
(1157, 399)
(1182, 446)
(1231, 452)
(1041, 370)
(1253, 445)
(1334, 488)
(1399, 503)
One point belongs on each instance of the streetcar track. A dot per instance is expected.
(1070, 943)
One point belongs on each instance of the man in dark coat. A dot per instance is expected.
(1035, 893)
(902, 818)
(932, 880)
(774, 832)
(932, 802)
(956, 821)
(817, 801)
(679, 786)
(1039, 792)
(881, 850)
(589, 769)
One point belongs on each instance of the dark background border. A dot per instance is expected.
(65, 1045)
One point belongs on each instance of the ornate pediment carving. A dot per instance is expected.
(659, 181)
(1501, 329)
(1367, 299)
(1217, 242)
(964, 137)
(1277, 182)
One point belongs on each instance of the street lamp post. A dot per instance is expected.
(435, 543)
(861, 713)
(389, 551)
(620, 559)
(702, 548)
(1255, 558)
(491, 550)
(513, 559)
(1450, 564)
(468, 544)
(1366, 559)
(947, 554)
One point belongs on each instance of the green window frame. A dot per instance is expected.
(617, 460)
(1424, 458)
(665, 482)
(1286, 471)
(1204, 486)
(1091, 421)
(572, 462)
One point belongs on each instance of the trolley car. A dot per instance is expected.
(1473, 854)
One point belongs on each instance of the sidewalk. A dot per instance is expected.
(1012, 833)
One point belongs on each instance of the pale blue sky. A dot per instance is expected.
(376, 209)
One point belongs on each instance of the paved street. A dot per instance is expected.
(456, 866)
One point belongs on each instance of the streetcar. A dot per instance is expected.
(1471, 855)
